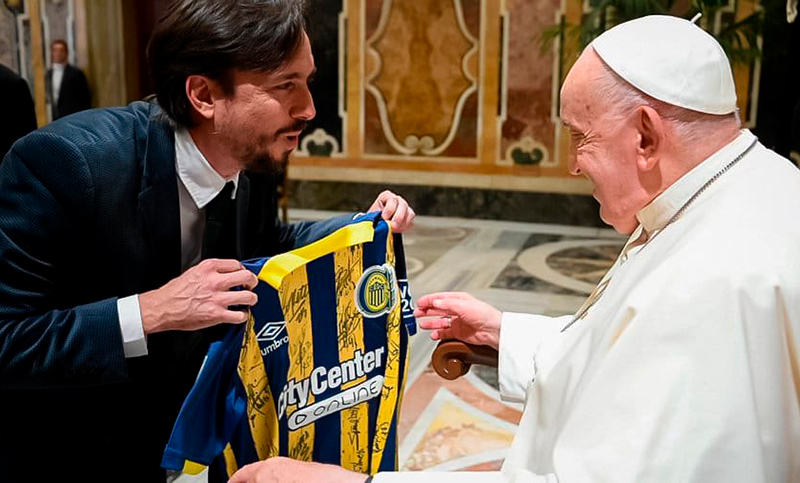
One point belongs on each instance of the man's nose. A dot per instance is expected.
(304, 109)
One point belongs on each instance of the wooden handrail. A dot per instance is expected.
(452, 358)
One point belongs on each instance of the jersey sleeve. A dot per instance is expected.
(211, 411)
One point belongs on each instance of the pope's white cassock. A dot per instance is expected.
(686, 368)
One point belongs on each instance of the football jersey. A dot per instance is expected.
(317, 371)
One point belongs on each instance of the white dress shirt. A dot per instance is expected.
(58, 76)
(198, 184)
(686, 368)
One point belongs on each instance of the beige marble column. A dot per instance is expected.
(37, 60)
(105, 68)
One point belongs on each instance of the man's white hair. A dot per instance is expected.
(687, 125)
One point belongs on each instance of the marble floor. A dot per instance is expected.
(521, 267)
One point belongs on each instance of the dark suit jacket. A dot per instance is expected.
(88, 214)
(74, 94)
(20, 115)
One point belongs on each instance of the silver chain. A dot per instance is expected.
(700, 191)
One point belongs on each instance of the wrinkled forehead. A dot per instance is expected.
(576, 90)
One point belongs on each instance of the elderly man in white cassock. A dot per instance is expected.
(683, 364)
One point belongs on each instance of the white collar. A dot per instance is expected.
(656, 214)
(198, 176)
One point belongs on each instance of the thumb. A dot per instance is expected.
(244, 474)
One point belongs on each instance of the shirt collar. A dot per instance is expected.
(657, 214)
(198, 176)
(57, 66)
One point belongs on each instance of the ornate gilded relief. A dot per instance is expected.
(421, 77)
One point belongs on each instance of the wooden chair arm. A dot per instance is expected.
(452, 358)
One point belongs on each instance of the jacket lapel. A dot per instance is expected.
(158, 200)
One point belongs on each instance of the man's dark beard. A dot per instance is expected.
(263, 162)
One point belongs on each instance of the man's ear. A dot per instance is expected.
(202, 92)
(650, 128)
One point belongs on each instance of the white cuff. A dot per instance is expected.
(520, 335)
(130, 322)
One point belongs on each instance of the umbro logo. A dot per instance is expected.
(271, 331)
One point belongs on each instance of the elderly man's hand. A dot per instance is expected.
(459, 315)
(287, 470)
(395, 210)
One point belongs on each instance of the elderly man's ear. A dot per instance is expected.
(650, 130)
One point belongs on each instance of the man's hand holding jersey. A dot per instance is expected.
(202, 296)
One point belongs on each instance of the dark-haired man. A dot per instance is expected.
(67, 88)
(102, 287)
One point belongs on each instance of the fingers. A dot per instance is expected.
(234, 317)
(245, 474)
(398, 214)
(239, 278)
(403, 219)
(458, 307)
(427, 300)
(238, 297)
(435, 324)
(431, 312)
(389, 208)
(221, 265)
(442, 334)
(395, 210)
(380, 201)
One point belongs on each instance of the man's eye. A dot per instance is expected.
(284, 86)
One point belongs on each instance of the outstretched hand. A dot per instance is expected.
(459, 315)
(286, 470)
(395, 210)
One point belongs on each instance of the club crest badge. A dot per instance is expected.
(376, 292)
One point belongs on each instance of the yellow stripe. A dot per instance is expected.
(389, 394)
(354, 444)
(297, 312)
(281, 265)
(231, 466)
(260, 406)
(192, 468)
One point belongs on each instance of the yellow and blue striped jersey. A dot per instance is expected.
(317, 372)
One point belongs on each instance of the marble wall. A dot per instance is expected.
(459, 93)
(9, 40)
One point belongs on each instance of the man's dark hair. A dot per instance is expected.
(214, 37)
(60, 41)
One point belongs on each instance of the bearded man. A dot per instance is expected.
(683, 364)
(120, 231)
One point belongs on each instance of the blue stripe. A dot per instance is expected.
(322, 293)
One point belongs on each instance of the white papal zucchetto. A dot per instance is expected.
(672, 60)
